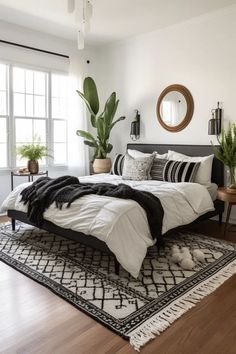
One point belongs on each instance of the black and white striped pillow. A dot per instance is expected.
(157, 169)
(117, 165)
(180, 171)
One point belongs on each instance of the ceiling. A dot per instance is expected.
(112, 19)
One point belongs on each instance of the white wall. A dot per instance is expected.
(200, 54)
(77, 64)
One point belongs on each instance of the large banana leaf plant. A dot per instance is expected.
(227, 151)
(103, 122)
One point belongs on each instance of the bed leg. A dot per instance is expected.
(13, 224)
(220, 218)
(117, 267)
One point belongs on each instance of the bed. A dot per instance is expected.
(65, 229)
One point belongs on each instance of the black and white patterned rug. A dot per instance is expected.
(137, 310)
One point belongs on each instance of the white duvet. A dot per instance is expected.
(122, 224)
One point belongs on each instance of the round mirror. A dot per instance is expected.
(175, 108)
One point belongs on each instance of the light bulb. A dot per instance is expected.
(80, 39)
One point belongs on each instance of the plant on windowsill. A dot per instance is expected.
(33, 152)
(102, 123)
(227, 154)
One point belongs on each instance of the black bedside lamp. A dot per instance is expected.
(214, 124)
(135, 127)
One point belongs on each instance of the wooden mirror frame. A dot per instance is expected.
(190, 107)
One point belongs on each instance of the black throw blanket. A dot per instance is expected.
(44, 191)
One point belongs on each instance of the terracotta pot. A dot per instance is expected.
(33, 166)
(102, 165)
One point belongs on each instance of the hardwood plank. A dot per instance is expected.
(34, 320)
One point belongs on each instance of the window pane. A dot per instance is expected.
(60, 131)
(3, 103)
(39, 130)
(3, 77)
(18, 80)
(39, 106)
(29, 81)
(24, 131)
(3, 155)
(39, 83)
(19, 104)
(55, 108)
(29, 105)
(3, 130)
(60, 153)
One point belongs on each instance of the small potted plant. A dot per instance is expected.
(227, 154)
(33, 152)
(102, 123)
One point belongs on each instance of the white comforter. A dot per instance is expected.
(122, 224)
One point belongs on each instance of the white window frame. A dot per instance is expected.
(11, 119)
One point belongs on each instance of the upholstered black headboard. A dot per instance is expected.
(190, 150)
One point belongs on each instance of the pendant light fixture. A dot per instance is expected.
(83, 11)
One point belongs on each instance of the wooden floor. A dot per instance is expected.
(34, 320)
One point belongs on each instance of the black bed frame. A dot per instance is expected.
(91, 241)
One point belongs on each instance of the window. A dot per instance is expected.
(38, 106)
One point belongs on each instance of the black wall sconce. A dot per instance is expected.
(214, 124)
(135, 127)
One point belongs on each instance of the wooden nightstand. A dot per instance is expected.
(229, 198)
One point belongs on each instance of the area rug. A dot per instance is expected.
(137, 310)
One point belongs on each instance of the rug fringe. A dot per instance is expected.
(159, 323)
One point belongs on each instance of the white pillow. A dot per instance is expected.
(136, 154)
(203, 175)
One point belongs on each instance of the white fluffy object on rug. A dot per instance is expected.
(187, 264)
(198, 255)
(176, 255)
(183, 257)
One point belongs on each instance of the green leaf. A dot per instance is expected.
(116, 121)
(101, 129)
(90, 143)
(93, 120)
(86, 102)
(109, 148)
(85, 135)
(109, 108)
(91, 94)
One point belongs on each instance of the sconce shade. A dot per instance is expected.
(212, 127)
(135, 127)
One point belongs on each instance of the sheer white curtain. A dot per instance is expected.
(78, 158)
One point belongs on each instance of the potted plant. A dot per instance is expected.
(33, 152)
(227, 154)
(102, 123)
